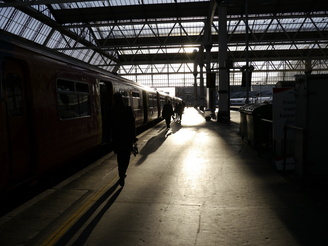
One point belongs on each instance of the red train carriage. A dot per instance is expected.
(49, 114)
(53, 111)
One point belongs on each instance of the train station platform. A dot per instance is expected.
(197, 184)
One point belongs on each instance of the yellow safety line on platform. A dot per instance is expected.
(55, 236)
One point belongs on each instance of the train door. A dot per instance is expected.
(145, 101)
(136, 104)
(106, 92)
(15, 122)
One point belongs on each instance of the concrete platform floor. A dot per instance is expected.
(198, 184)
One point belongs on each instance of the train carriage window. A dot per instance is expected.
(136, 100)
(154, 100)
(63, 85)
(84, 104)
(80, 87)
(135, 94)
(125, 97)
(73, 99)
(124, 94)
(14, 94)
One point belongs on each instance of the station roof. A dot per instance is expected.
(110, 34)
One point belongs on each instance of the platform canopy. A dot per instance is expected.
(156, 38)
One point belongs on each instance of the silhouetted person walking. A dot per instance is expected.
(179, 111)
(167, 113)
(123, 134)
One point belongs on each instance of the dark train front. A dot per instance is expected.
(53, 112)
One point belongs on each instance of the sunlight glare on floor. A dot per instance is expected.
(194, 163)
(193, 170)
(191, 118)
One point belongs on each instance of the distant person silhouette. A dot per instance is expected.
(179, 111)
(167, 113)
(123, 134)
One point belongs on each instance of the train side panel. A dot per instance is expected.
(53, 111)
(106, 101)
(162, 99)
(137, 106)
(151, 105)
(16, 130)
(34, 137)
(67, 116)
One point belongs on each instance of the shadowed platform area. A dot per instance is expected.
(196, 184)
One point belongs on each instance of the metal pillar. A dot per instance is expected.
(308, 66)
(195, 79)
(248, 69)
(201, 73)
(210, 95)
(224, 80)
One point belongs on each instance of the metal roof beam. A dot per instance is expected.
(185, 10)
(255, 39)
(235, 56)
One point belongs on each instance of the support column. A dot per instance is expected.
(224, 80)
(308, 66)
(248, 71)
(210, 95)
(201, 74)
(195, 79)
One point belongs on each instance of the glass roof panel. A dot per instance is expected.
(96, 59)
(106, 3)
(41, 36)
(5, 14)
(86, 36)
(78, 5)
(16, 22)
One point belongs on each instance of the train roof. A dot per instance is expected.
(46, 52)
